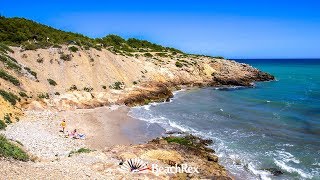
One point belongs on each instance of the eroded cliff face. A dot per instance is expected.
(61, 79)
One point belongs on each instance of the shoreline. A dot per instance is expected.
(106, 128)
(51, 153)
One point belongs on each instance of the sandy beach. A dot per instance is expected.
(104, 127)
(108, 126)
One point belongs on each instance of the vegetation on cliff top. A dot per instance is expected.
(32, 35)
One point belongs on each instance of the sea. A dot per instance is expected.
(273, 126)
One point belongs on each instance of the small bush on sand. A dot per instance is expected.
(23, 94)
(81, 150)
(88, 89)
(52, 82)
(104, 87)
(73, 88)
(57, 93)
(148, 55)
(7, 119)
(117, 85)
(43, 96)
(178, 64)
(31, 72)
(2, 125)
(73, 49)
(8, 96)
(9, 150)
(66, 57)
(4, 75)
(40, 60)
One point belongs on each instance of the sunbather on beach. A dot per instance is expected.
(73, 134)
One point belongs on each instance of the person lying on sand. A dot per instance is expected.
(63, 125)
(73, 134)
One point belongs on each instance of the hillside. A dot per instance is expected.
(68, 70)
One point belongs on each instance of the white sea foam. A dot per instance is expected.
(176, 92)
(260, 173)
(147, 107)
(316, 164)
(290, 169)
(287, 157)
(288, 145)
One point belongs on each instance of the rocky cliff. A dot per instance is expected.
(60, 78)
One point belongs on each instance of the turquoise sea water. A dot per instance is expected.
(274, 125)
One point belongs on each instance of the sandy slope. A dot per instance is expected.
(100, 69)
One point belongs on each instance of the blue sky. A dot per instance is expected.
(230, 28)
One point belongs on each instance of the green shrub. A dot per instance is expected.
(57, 93)
(4, 75)
(135, 82)
(66, 57)
(162, 54)
(2, 125)
(98, 48)
(30, 46)
(180, 140)
(23, 94)
(88, 89)
(9, 150)
(4, 48)
(73, 88)
(7, 119)
(73, 49)
(40, 60)
(52, 82)
(43, 96)
(81, 150)
(190, 141)
(148, 55)
(31, 72)
(117, 85)
(218, 57)
(104, 87)
(10, 63)
(178, 64)
(17, 31)
(57, 46)
(8, 96)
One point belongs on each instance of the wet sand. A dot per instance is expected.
(108, 126)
